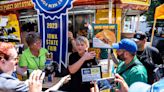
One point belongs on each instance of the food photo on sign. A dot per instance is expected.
(104, 35)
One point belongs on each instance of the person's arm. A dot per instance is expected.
(156, 56)
(21, 70)
(22, 65)
(76, 66)
(73, 68)
(63, 80)
(73, 42)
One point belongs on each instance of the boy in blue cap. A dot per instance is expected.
(130, 68)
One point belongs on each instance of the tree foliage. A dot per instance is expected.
(151, 11)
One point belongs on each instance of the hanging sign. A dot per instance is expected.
(104, 35)
(138, 2)
(16, 5)
(53, 20)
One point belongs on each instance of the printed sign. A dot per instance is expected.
(90, 74)
(138, 2)
(53, 27)
(104, 35)
(16, 5)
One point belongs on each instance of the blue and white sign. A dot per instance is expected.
(53, 26)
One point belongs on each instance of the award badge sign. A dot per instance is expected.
(91, 74)
(53, 27)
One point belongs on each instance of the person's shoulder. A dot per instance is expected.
(44, 49)
(152, 49)
(7, 80)
(74, 54)
(26, 53)
(139, 69)
(137, 61)
(121, 63)
(158, 86)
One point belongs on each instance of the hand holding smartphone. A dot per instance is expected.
(106, 83)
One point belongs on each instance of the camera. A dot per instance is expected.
(51, 68)
(106, 83)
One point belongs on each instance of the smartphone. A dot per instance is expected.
(106, 83)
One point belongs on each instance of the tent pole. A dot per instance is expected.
(152, 34)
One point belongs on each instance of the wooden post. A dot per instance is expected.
(152, 34)
(138, 23)
(110, 12)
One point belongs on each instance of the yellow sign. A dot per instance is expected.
(102, 16)
(16, 5)
(159, 12)
(13, 22)
(138, 2)
(11, 29)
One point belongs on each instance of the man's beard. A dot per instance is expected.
(121, 57)
(139, 46)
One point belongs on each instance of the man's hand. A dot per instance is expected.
(70, 35)
(89, 55)
(95, 88)
(35, 81)
(124, 86)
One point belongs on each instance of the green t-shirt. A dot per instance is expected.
(136, 73)
(32, 62)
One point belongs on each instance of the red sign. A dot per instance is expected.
(90, 2)
(16, 5)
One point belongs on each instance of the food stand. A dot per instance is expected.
(106, 12)
(119, 7)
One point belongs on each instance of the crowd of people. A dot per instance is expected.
(8, 64)
(135, 65)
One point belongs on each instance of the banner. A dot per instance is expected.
(16, 5)
(53, 27)
(104, 35)
(138, 2)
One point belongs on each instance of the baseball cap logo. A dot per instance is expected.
(138, 36)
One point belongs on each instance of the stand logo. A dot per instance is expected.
(51, 7)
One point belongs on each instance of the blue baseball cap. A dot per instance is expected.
(143, 87)
(126, 44)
